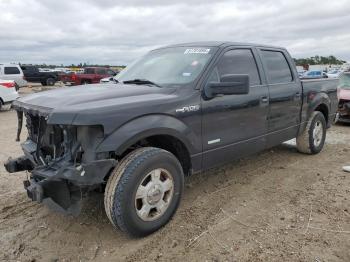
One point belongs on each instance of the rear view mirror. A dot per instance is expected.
(228, 85)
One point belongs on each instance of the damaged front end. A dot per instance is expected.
(344, 111)
(61, 159)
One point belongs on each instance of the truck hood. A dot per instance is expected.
(86, 104)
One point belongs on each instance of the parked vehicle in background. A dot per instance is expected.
(13, 72)
(91, 75)
(301, 73)
(314, 75)
(344, 98)
(334, 73)
(8, 93)
(178, 110)
(32, 74)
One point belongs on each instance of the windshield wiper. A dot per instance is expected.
(140, 82)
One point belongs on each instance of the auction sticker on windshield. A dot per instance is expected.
(197, 51)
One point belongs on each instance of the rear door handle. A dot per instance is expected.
(264, 99)
(298, 94)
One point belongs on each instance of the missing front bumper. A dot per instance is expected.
(61, 185)
(57, 195)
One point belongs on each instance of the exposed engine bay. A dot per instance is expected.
(62, 161)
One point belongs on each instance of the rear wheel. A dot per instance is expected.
(144, 191)
(85, 82)
(311, 141)
(50, 81)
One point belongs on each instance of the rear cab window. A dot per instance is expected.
(277, 67)
(101, 71)
(89, 71)
(11, 70)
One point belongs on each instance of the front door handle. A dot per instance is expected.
(298, 95)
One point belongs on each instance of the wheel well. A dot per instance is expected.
(169, 143)
(324, 110)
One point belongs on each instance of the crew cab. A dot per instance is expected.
(32, 74)
(176, 111)
(91, 75)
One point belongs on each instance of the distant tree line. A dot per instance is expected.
(319, 60)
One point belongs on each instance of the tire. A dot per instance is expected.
(43, 83)
(311, 141)
(50, 81)
(85, 82)
(144, 191)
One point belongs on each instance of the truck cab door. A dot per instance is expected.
(234, 126)
(285, 96)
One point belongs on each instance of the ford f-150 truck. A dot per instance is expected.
(176, 111)
(91, 75)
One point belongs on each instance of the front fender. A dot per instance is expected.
(146, 126)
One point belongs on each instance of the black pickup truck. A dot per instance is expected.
(178, 110)
(32, 74)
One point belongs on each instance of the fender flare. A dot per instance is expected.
(319, 99)
(146, 126)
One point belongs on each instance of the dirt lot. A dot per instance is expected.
(276, 206)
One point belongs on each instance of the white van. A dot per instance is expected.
(8, 93)
(12, 72)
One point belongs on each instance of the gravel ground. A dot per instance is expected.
(278, 205)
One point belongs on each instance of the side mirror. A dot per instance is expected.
(229, 85)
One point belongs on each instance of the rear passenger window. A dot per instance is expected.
(89, 71)
(237, 61)
(278, 70)
(11, 71)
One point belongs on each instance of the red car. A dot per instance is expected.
(344, 98)
(91, 75)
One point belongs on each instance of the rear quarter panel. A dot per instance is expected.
(316, 92)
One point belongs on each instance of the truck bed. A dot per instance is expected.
(324, 88)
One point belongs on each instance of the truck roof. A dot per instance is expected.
(222, 44)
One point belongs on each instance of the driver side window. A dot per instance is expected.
(237, 61)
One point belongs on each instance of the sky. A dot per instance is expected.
(116, 32)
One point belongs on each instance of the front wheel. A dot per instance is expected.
(144, 191)
(311, 141)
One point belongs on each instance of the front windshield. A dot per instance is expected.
(169, 66)
(344, 81)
